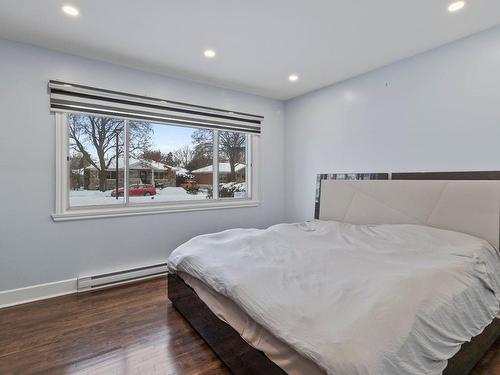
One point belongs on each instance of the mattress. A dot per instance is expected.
(253, 333)
(347, 299)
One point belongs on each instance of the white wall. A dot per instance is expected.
(436, 111)
(34, 249)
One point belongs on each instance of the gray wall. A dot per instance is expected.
(436, 111)
(35, 250)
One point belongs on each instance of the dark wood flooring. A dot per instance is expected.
(128, 330)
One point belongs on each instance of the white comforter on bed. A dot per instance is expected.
(355, 299)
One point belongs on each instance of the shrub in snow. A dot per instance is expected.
(227, 190)
(182, 177)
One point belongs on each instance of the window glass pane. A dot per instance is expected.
(95, 146)
(169, 164)
(232, 165)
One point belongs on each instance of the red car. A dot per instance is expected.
(136, 190)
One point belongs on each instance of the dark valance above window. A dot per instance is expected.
(67, 97)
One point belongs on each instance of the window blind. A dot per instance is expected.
(69, 97)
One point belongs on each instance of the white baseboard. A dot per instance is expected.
(37, 292)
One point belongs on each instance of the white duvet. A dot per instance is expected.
(355, 299)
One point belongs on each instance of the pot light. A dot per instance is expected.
(70, 10)
(209, 53)
(293, 77)
(456, 6)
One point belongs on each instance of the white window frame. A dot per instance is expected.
(64, 213)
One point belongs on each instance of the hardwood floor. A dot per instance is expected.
(128, 330)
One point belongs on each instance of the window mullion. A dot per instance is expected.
(215, 167)
(125, 161)
(249, 165)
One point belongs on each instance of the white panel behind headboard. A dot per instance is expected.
(471, 207)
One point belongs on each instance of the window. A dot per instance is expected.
(111, 175)
(122, 154)
(159, 164)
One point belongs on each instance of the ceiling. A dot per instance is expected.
(259, 43)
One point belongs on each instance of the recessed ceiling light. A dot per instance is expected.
(293, 77)
(209, 53)
(70, 10)
(456, 6)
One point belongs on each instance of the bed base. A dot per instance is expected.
(471, 352)
(241, 358)
(237, 355)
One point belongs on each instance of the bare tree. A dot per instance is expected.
(231, 147)
(169, 159)
(158, 156)
(154, 155)
(183, 156)
(95, 138)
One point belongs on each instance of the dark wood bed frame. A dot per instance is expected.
(241, 358)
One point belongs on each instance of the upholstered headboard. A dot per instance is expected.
(471, 207)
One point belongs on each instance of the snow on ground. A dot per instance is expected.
(170, 194)
(94, 197)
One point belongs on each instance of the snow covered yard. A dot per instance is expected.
(95, 197)
(170, 194)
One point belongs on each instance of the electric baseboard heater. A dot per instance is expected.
(108, 280)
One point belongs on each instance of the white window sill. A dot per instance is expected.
(96, 213)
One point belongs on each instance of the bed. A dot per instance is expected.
(263, 342)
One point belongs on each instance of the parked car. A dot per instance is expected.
(190, 186)
(136, 190)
